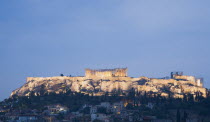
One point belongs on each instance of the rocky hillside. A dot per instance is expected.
(100, 86)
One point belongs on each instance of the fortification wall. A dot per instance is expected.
(190, 81)
(78, 78)
(55, 78)
(193, 89)
(163, 81)
(128, 79)
(189, 78)
(56, 84)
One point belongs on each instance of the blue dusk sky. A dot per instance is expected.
(40, 38)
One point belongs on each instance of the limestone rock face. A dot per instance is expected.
(110, 84)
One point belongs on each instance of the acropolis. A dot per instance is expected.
(99, 81)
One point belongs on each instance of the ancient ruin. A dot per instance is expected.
(98, 82)
(117, 72)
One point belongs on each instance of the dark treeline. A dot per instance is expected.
(135, 100)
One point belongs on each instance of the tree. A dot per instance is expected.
(68, 91)
(92, 83)
(60, 116)
(42, 90)
(61, 75)
(86, 110)
(131, 93)
(15, 97)
(129, 106)
(32, 94)
(185, 116)
(101, 110)
(178, 116)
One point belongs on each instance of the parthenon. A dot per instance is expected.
(117, 72)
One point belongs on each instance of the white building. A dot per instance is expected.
(150, 105)
(106, 105)
(117, 107)
(93, 109)
(102, 117)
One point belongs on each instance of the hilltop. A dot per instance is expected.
(109, 95)
(100, 82)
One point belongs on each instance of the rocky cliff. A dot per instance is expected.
(100, 86)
